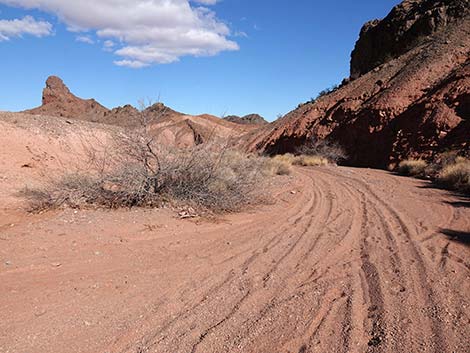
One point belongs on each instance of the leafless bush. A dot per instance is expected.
(326, 149)
(135, 171)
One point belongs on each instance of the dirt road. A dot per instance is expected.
(346, 260)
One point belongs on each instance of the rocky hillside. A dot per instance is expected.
(250, 119)
(170, 126)
(408, 95)
(408, 25)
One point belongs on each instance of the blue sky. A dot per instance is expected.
(204, 56)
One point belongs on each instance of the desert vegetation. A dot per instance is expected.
(290, 159)
(134, 170)
(313, 153)
(214, 179)
(325, 151)
(413, 167)
(448, 170)
(456, 175)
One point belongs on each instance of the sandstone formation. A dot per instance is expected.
(57, 100)
(169, 126)
(407, 97)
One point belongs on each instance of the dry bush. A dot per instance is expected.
(212, 178)
(301, 160)
(133, 170)
(413, 167)
(277, 166)
(326, 149)
(310, 161)
(448, 170)
(456, 175)
(287, 158)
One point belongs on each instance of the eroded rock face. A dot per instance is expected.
(169, 127)
(57, 100)
(55, 91)
(407, 25)
(416, 105)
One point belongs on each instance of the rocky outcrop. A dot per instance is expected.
(414, 105)
(57, 100)
(250, 119)
(407, 25)
(167, 125)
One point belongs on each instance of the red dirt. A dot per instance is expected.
(345, 260)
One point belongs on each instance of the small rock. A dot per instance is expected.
(40, 312)
(56, 264)
(8, 263)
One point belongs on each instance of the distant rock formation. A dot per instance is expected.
(250, 119)
(57, 100)
(409, 96)
(169, 126)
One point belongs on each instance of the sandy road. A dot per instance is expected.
(352, 261)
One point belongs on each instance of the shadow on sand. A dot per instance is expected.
(459, 204)
(458, 236)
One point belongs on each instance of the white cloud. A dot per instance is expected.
(206, 2)
(108, 44)
(149, 31)
(26, 25)
(134, 64)
(85, 39)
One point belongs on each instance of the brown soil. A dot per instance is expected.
(345, 260)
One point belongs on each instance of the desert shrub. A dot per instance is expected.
(289, 159)
(215, 179)
(277, 166)
(286, 158)
(413, 167)
(327, 91)
(456, 175)
(133, 170)
(310, 161)
(326, 149)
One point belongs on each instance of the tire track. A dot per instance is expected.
(342, 260)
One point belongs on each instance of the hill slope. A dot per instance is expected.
(170, 126)
(416, 104)
(250, 119)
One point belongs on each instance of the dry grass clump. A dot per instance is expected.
(310, 161)
(277, 166)
(413, 167)
(448, 170)
(322, 150)
(286, 158)
(289, 159)
(456, 175)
